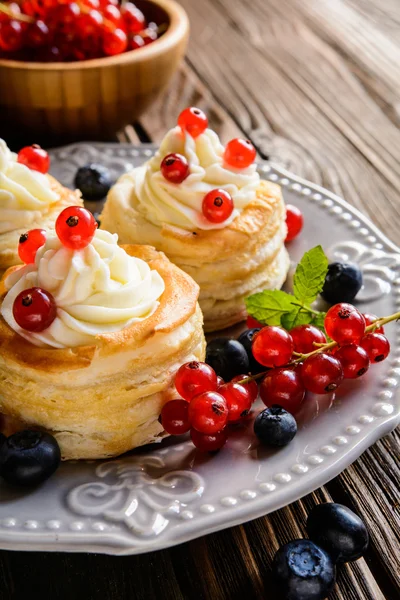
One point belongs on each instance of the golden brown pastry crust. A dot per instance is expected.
(9, 240)
(228, 264)
(105, 399)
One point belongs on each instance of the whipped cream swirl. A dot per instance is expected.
(98, 290)
(21, 190)
(181, 204)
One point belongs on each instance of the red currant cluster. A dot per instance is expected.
(217, 205)
(35, 309)
(302, 360)
(208, 405)
(59, 30)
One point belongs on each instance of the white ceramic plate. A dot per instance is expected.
(165, 494)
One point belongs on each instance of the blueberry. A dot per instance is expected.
(29, 457)
(338, 530)
(274, 426)
(227, 357)
(303, 571)
(2, 439)
(94, 181)
(342, 283)
(246, 339)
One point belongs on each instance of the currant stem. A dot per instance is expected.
(16, 17)
(324, 347)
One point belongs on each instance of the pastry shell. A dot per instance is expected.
(103, 400)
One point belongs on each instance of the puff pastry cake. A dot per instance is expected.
(97, 377)
(229, 259)
(28, 200)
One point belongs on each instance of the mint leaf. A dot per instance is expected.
(269, 306)
(310, 275)
(294, 318)
(319, 320)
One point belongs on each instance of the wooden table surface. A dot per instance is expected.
(315, 84)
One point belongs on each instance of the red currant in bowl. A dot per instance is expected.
(217, 206)
(194, 378)
(35, 158)
(322, 373)
(272, 346)
(354, 360)
(175, 168)
(208, 412)
(193, 121)
(344, 324)
(294, 222)
(239, 153)
(34, 309)
(29, 244)
(306, 338)
(75, 227)
(284, 387)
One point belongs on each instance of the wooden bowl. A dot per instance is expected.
(56, 102)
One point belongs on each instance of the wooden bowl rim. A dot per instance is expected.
(178, 28)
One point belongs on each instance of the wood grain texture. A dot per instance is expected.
(315, 85)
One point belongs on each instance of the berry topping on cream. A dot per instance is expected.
(97, 290)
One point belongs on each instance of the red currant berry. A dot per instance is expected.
(14, 11)
(305, 338)
(193, 120)
(272, 347)
(63, 17)
(376, 345)
(136, 42)
(75, 227)
(112, 14)
(369, 319)
(209, 443)
(354, 361)
(35, 158)
(321, 373)
(251, 386)
(29, 244)
(193, 378)
(283, 387)
(37, 35)
(149, 36)
(175, 417)
(34, 309)
(239, 153)
(90, 23)
(238, 400)
(208, 412)
(217, 206)
(105, 3)
(175, 168)
(294, 222)
(114, 42)
(11, 36)
(220, 382)
(133, 17)
(252, 323)
(344, 324)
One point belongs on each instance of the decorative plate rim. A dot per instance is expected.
(368, 431)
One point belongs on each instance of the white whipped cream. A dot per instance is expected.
(98, 290)
(21, 190)
(181, 204)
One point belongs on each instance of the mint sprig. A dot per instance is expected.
(275, 307)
